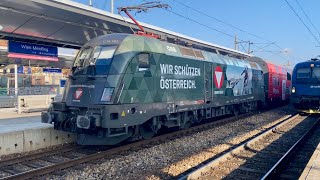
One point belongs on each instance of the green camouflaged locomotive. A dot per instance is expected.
(127, 87)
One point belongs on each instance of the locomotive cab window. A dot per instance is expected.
(316, 72)
(304, 73)
(81, 61)
(102, 56)
(144, 64)
(94, 61)
(82, 57)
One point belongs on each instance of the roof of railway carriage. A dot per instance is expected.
(70, 24)
(134, 43)
(270, 67)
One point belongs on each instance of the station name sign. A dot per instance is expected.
(32, 51)
(52, 70)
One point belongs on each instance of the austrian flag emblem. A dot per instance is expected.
(78, 93)
(218, 77)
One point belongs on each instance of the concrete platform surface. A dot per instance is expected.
(8, 113)
(312, 170)
(10, 121)
(21, 133)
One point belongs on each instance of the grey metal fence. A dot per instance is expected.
(36, 90)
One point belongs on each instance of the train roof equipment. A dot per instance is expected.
(142, 8)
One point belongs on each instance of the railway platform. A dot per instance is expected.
(312, 170)
(21, 133)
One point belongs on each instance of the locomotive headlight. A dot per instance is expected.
(293, 90)
(106, 95)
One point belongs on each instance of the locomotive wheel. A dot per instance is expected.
(146, 131)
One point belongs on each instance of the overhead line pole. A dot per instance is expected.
(236, 45)
(112, 6)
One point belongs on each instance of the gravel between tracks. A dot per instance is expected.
(172, 158)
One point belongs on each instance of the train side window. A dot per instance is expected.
(144, 64)
(274, 81)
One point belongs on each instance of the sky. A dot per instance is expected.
(275, 31)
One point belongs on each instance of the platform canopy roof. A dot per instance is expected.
(70, 24)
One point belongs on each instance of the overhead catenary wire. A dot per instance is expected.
(207, 26)
(244, 31)
(273, 53)
(180, 15)
(223, 22)
(228, 24)
(226, 34)
(307, 17)
(217, 30)
(303, 22)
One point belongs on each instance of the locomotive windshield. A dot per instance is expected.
(304, 73)
(316, 72)
(307, 75)
(94, 61)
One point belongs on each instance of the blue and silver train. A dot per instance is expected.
(305, 92)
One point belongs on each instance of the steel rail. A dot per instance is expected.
(275, 169)
(20, 159)
(206, 167)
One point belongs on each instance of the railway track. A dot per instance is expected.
(56, 160)
(299, 158)
(262, 157)
(19, 165)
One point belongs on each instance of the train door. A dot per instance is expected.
(143, 79)
(284, 84)
(208, 81)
